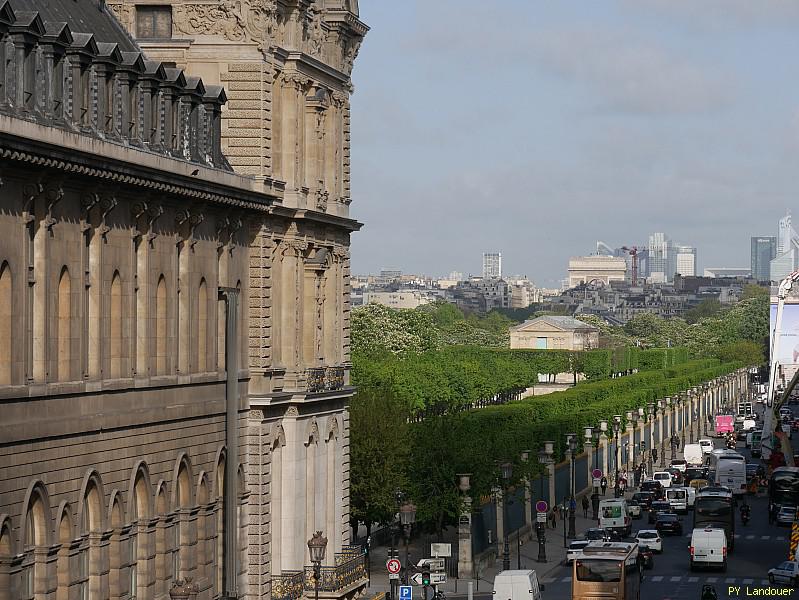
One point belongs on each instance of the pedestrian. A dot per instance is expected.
(772, 513)
(553, 517)
(585, 506)
(603, 483)
(654, 455)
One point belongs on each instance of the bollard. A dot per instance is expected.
(469, 590)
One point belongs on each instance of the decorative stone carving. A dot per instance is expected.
(124, 13)
(313, 33)
(292, 412)
(321, 200)
(350, 50)
(256, 415)
(234, 20)
(296, 80)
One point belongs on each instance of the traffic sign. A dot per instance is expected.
(441, 549)
(597, 482)
(541, 517)
(438, 578)
(405, 592)
(393, 576)
(416, 579)
(434, 564)
(393, 565)
(541, 506)
(596, 473)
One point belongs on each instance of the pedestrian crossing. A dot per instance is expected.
(740, 536)
(680, 579)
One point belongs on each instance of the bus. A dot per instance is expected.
(783, 487)
(729, 470)
(613, 515)
(713, 507)
(607, 570)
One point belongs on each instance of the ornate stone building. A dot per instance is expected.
(121, 220)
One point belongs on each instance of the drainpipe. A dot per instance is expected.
(230, 538)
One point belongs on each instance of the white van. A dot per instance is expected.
(613, 515)
(707, 445)
(691, 491)
(517, 585)
(678, 499)
(663, 478)
(708, 548)
(693, 454)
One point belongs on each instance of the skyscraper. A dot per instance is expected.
(492, 265)
(787, 258)
(764, 250)
(685, 263)
(662, 258)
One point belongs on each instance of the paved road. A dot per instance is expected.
(759, 546)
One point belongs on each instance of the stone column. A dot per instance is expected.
(551, 479)
(630, 448)
(465, 560)
(500, 500)
(604, 445)
(588, 445)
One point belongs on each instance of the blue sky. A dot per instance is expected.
(537, 128)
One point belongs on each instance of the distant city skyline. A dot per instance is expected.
(599, 120)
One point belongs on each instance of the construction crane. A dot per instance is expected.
(633, 252)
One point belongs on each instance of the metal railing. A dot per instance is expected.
(287, 586)
(320, 379)
(349, 571)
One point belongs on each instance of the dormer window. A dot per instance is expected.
(154, 22)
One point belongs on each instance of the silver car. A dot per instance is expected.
(786, 515)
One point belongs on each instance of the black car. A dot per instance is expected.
(658, 506)
(676, 476)
(644, 499)
(694, 473)
(655, 487)
(646, 557)
(668, 523)
(596, 533)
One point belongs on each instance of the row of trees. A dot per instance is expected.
(389, 452)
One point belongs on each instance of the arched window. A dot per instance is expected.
(202, 327)
(35, 537)
(161, 547)
(220, 521)
(203, 521)
(161, 327)
(139, 513)
(62, 563)
(116, 341)
(180, 561)
(91, 522)
(64, 328)
(6, 320)
(5, 560)
(118, 550)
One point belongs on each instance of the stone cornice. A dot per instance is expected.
(316, 217)
(43, 147)
(316, 68)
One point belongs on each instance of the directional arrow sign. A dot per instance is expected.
(416, 579)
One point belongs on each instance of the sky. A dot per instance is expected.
(536, 128)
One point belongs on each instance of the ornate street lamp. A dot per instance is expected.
(506, 470)
(407, 519)
(616, 429)
(544, 458)
(651, 411)
(571, 440)
(663, 434)
(316, 548)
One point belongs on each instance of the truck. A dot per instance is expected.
(517, 585)
(724, 424)
(693, 454)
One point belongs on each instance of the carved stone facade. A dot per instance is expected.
(285, 66)
(121, 221)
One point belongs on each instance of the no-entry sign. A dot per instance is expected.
(541, 506)
(596, 473)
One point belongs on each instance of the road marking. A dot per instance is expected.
(712, 579)
(566, 579)
(693, 579)
(549, 580)
(657, 578)
(729, 580)
(764, 537)
(675, 579)
(737, 535)
(781, 538)
(747, 581)
(750, 537)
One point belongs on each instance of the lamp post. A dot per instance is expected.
(563, 512)
(393, 552)
(616, 429)
(634, 419)
(603, 432)
(316, 547)
(544, 458)
(571, 440)
(525, 457)
(506, 469)
(662, 410)
(683, 402)
(650, 409)
(407, 519)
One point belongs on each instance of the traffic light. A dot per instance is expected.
(425, 578)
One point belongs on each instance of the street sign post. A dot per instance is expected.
(596, 474)
(393, 566)
(405, 592)
(433, 564)
(393, 576)
(541, 506)
(596, 482)
(416, 579)
(541, 517)
(443, 550)
(438, 578)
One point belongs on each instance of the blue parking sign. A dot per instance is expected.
(406, 592)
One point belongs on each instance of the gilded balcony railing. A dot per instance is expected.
(335, 378)
(349, 571)
(287, 586)
(316, 379)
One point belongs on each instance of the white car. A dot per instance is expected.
(575, 550)
(663, 478)
(787, 572)
(707, 445)
(651, 538)
(679, 464)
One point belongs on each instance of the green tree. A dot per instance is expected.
(378, 455)
(754, 291)
(707, 308)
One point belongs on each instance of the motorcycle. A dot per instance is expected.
(745, 515)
